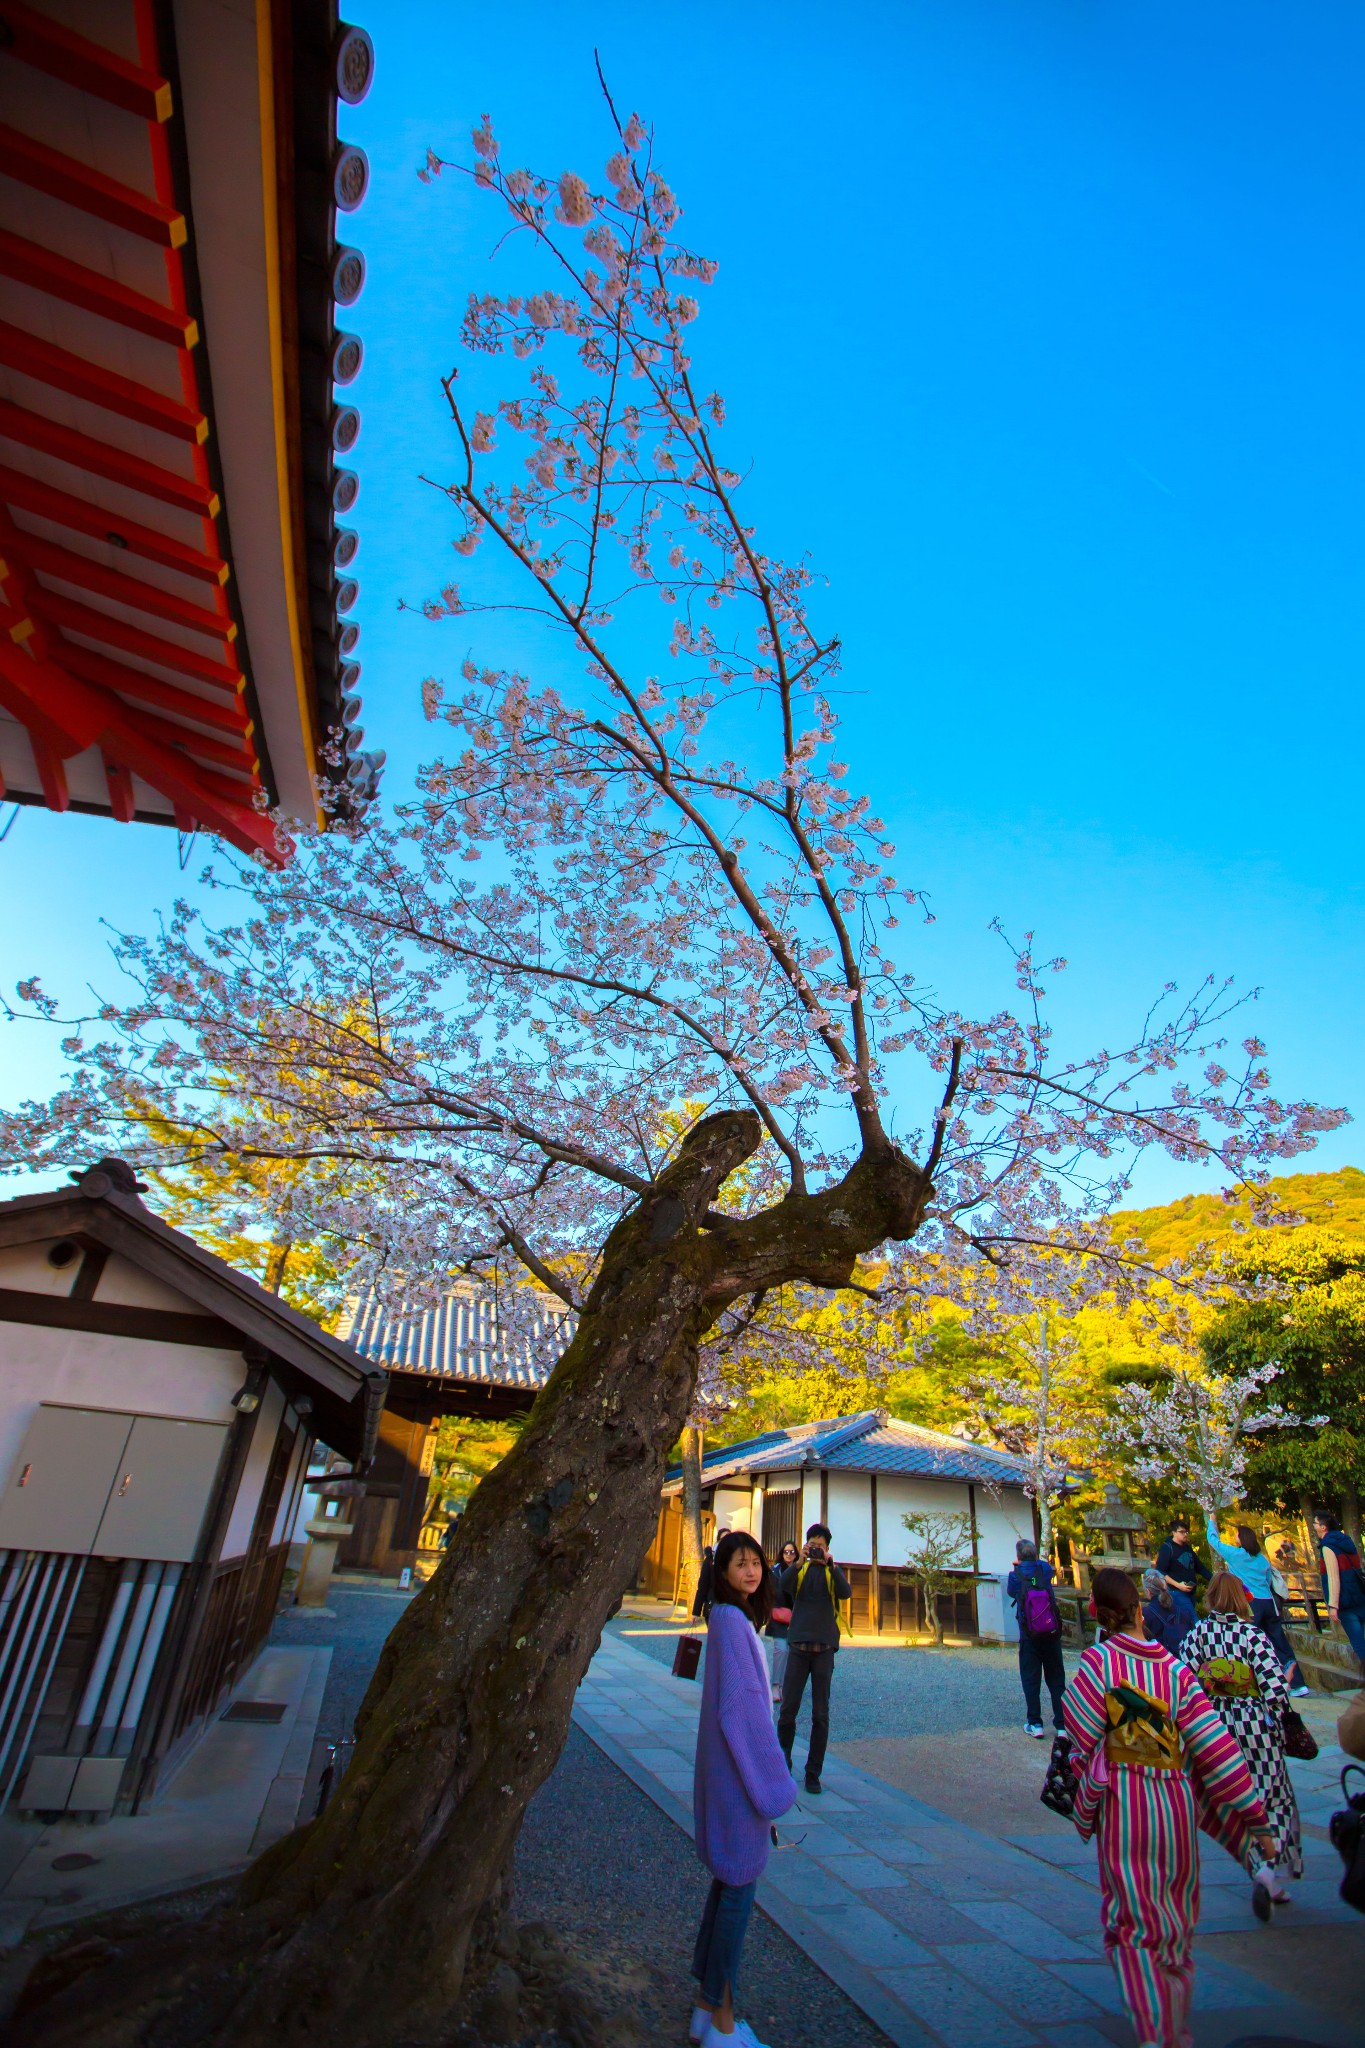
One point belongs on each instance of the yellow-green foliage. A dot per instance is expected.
(1331, 1200)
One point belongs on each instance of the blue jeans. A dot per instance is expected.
(1352, 1620)
(1266, 1615)
(720, 1939)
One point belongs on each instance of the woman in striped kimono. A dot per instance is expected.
(1154, 1762)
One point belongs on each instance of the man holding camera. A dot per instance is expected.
(813, 1589)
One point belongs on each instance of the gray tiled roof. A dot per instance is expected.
(461, 1338)
(872, 1441)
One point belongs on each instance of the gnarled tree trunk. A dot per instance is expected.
(361, 1926)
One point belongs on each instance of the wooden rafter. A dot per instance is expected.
(36, 40)
(30, 263)
(30, 494)
(83, 451)
(44, 169)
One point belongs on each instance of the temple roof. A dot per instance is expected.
(173, 431)
(871, 1441)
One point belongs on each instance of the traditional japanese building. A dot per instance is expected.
(157, 1409)
(860, 1474)
(176, 286)
(459, 1358)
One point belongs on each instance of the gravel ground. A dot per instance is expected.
(599, 1861)
(889, 1691)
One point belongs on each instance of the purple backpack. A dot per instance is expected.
(1038, 1614)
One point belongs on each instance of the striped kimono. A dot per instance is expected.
(1153, 1760)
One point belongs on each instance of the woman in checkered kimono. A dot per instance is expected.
(1236, 1665)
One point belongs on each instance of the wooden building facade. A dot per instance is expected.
(460, 1357)
(157, 1410)
(860, 1475)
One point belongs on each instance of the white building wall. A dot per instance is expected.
(1001, 1519)
(253, 1478)
(732, 1507)
(127, 1284)
(850, 1517)
(810, 1503)
(897, 1496)
(87, 1369)
(25, 1267)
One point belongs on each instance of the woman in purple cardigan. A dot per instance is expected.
(741, 1785)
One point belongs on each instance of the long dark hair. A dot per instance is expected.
(1249, 1540)
(759, 1604)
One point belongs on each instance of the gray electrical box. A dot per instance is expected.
(165, 1476)
(96, 1480)
(55, 1497)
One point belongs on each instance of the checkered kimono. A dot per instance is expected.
(1214, 1649)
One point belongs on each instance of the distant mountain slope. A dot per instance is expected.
(1334, 1200)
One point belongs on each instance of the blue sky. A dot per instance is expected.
(1041, 327)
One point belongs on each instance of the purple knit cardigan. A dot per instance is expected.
(741, 1782)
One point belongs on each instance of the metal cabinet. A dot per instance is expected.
(165, 1476)
(55, 1497)
(93, 1480)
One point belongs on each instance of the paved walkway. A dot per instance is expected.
(945, 1936)
(237, 1791)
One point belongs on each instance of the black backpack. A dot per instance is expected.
(1347, 1831)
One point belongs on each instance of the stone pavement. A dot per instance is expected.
(236, 1793)
(946, 1936)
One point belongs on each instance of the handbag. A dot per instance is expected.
(1299, 1740)
(781, 1615)
(687, 1656)
(1061, 1784)
(1346, 1831)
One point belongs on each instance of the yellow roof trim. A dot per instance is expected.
(270, 191)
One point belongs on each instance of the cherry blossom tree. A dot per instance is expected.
(470, 1022)
(1194, 1428)
(1038, 1400)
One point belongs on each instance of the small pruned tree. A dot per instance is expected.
(655, 886)
(938, 1552)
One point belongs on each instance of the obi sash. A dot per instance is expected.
(1229, 1678)
(1140, 1732)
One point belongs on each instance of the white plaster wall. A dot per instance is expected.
(253, 1478)
(24, 1266)
(850, 1517)
(87, 1369)
(897, 1496)
(810, 1503)
(291, 1478)
(123, 1282)
(1000, 1521)
(733, 1508)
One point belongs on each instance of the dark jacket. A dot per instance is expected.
(1168, 1626)
(814, 1619)
(701, 1599)
(777, 1629)
(1178, 1561)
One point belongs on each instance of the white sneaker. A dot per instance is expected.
(743, 2037)
(1035, 1729)
(701, 2020)
(1301, 1692)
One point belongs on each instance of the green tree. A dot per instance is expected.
(938, 1551)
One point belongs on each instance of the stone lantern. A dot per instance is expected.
(325, 1536)
(1112, 1528)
